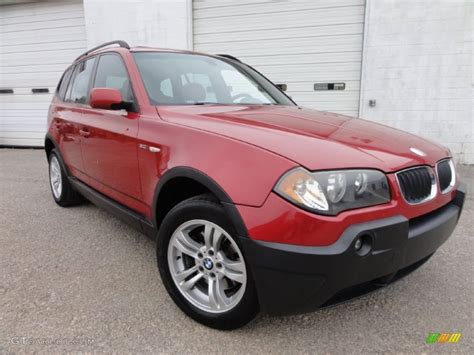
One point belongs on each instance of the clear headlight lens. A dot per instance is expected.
(331, 192)
(336, 187)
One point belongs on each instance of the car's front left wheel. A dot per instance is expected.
(203, 267)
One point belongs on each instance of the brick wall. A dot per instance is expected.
(418, 66)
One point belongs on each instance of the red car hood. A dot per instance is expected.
(313, 139)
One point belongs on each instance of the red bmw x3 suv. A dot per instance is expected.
(256, 203)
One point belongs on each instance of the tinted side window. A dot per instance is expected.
(80, 86)
(67, 96)
(62, 86)
(111, 73)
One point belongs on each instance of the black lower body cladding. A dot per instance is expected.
(296, 279)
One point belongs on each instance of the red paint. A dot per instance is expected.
(245, 149)
(104, 98)
(293, 225)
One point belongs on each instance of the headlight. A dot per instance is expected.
(331, 192)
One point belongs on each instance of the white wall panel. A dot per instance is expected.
(156, 23)
(418, 66)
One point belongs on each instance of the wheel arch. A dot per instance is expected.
(49, 145)
(203, 184)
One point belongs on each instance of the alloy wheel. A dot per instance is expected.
(207, 266)
(55, 177)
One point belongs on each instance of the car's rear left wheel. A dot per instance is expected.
(203, 267)
(62, 190)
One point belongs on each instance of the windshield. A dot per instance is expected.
(192, 79)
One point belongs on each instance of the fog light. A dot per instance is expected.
(363, 244)
(358, 244)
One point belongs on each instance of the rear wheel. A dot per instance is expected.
(203, 267)
(62, 190)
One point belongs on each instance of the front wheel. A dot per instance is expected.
(203, 267)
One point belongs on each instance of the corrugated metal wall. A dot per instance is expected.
(37, 42)
(298, 43)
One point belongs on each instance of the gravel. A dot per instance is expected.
(77, 279)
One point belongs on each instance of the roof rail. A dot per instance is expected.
(228, 56)
(122, 44)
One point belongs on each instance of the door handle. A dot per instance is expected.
(84, 133)
(150, 148)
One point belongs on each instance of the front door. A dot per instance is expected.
(110, 149)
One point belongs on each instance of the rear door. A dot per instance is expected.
(69, 116)
(110, 149)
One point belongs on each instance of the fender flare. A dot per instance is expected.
(50, 137)
(211, 185)
(56, 147)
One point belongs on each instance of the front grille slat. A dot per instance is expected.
(416, 184)
(445, 174)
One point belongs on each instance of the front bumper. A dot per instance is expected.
(293, 279)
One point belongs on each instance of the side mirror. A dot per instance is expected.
(106, 98)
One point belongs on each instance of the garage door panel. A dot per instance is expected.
(258, 25)
(33, 125)
(39, 41)
(47, 79)
(45, 36)
(298, 43)
(28, 106)
(307, 87)
(301, 19)
(25, 116)
(41, 8)
(19, 142)
(314, 68)
(260, 7)
(327, 97)
(40, 25)
(264, 35)
(315, 77)
(11, 133)
(35, 138)
(65, 56)
(24, 98)
(39, 17)
(292, 45)
(33, 68)
(327, 106)
(301, 58)
(276, 51)
(226, 4)
(36, 47)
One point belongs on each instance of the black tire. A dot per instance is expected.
(68, 196)
(206, 208)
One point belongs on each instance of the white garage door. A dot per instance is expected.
(37, 42)
(298, 43)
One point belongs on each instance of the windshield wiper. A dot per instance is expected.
(204, 103)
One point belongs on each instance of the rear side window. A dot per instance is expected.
(111, 73)
(62, 86)
(67, 96)
(80, 85)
